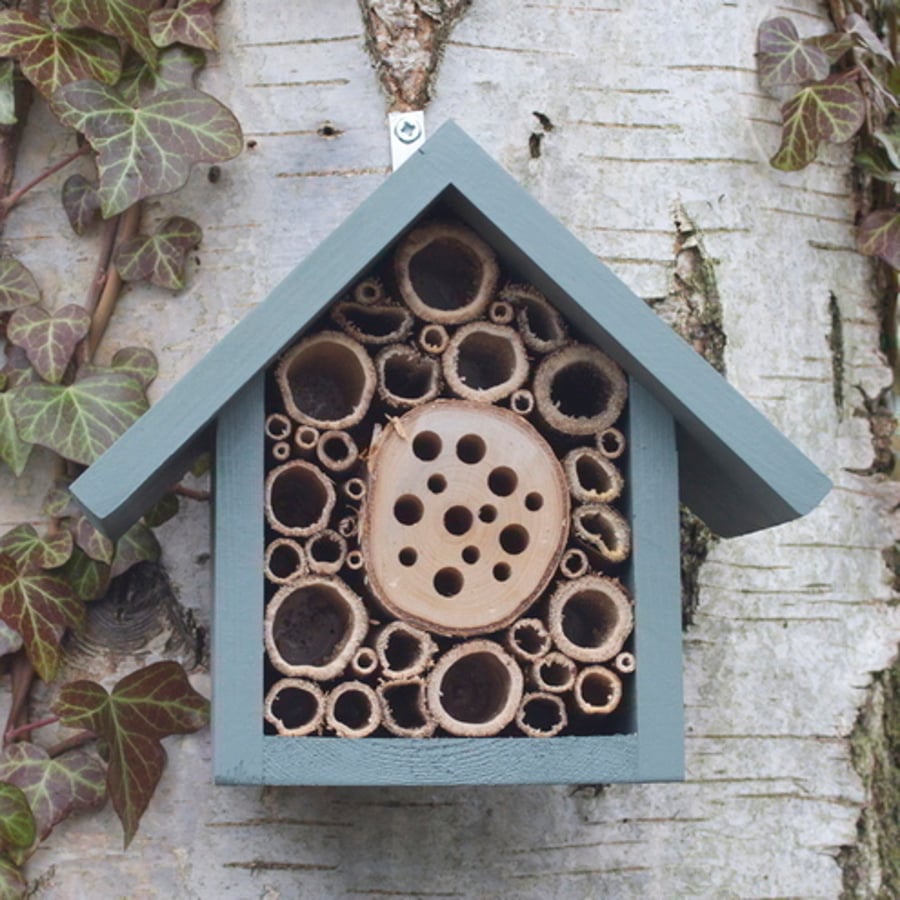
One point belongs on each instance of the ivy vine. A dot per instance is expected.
(121, 75)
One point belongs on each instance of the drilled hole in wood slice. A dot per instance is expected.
(514, 539)
(502, 572)
(487, 513)
(471, 555)
(427, 446)
(299, 499)
(295, 707)
(448, 582)
(408, 556)
(503, 481)
(408, 509)
(534, 501)
(437, 484)
(458, 520)
(470, 449)
(541, 715)
(598, 690)
(485, 362)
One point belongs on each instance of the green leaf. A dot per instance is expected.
(126, 19)
(17, 286)
(191, 23)
(81, 420)
(40, 606)
(159, 258)
(879, 235)
(13, 450)
(7, 92)
(54, 788)
(890, 142)
(165, 509)
(875, 162)
(17, 826)
(51, 57)
(49, 339)
(832, 111)
(138, 544)
(143, 708)
(29, 550)
(784, 59)
(178, 68)
(10, 640)
(12, 884)
(88, 577)
(80, 202)
(150, 149)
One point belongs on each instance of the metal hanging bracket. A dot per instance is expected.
(407, 135)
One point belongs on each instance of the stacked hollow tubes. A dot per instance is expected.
(443, 542)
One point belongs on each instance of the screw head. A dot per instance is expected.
(407, 130)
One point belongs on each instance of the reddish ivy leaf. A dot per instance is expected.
(81, 202)
(178, 67)
(17, 826)
(879, 235)
(147, 150)
(17, 286)
(51, 57)
(831, 111)
(29, 550)
(54, 788)
(784, 59)
(91, 540)
(138, 362)
(190, 23)
(12, 883)
(49, 339)
(143, 708)
(88, 577)
(17, 370)
(13, 450)
(40, 606)
(81, 420)
(834, 45)
(126, 19)
(159, 258)
(138, 544)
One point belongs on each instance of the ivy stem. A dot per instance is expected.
(8, 202)
(191, 493)
(79, 739)
(28, 727)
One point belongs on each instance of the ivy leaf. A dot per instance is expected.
(191, 23)
(178, 67)
(165, 509)
(784, 59)
(138, 362)
(12, 884)
(17, 826)
(147, 150)
(91, 540)
(80, 201)
(88, 577)
(51, 57)
(875, 162)
(879, 235)
(159, 258)
(7, 92)
(138, 544)
(81, 420)
(831, 111)
(29, 550)
(143, 708)
(49, 339)
(17, 286)
(126, 19)
(10, 642)
(834, 45)
(54, 788)
(17, 370)
(857, 25)
(40, 606)
(13, 450)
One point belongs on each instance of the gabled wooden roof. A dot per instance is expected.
(737, 471)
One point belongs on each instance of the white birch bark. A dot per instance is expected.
(653, 105)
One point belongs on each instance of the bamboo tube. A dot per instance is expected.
(598, 690)
(541, 715)
(404, 708)
(554, 673)
(403, 650)
(369, 291)
(434, 339)
(364, 663)
(541, 326)
(485, 362)
(352, 710)
(281, 451)
(295, 707)
(611, 443)
(406, 378)
(348, 526)
(522, 402)
(574, 563)
(579, 390)
(299, 499)
(590, 618)
(604, 529)
(326, 381)
(355, 489)
(355, 560)
(314, 626)
(374, 325)
(306, 439)
(475, 689)
(592, 477)
(501, 312)
(337, 451)
(326, 552)
(445, 273)
(285, 561)
(527, 639)
(624, 663)
(278, 427)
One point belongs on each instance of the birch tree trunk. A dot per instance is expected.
(642, 127)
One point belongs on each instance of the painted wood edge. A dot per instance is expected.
(237, 631)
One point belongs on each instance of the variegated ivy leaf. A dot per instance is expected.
(17, 370)
(54, 788)
(159, 258)
(190, 23)
(178, 67)
(834, 44)
(149, 149)
(785, 59)
(80, 202)
(137, 545)
(137, 361)
(81, 420)
(88, 577)
(126, 19)
(833, 110)
(879, 235)
(143, 708)
(30, 550)
(91, 540)
(59, 502)
(17, 286)
(17, 826)
(51, 57)
(12, 883)
(49, 339)
(40, 606)
(165, 509)
(7, 92)
(13, 450)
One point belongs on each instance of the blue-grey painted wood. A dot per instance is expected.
(738, 472)
(237, 623)
(655, 581)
